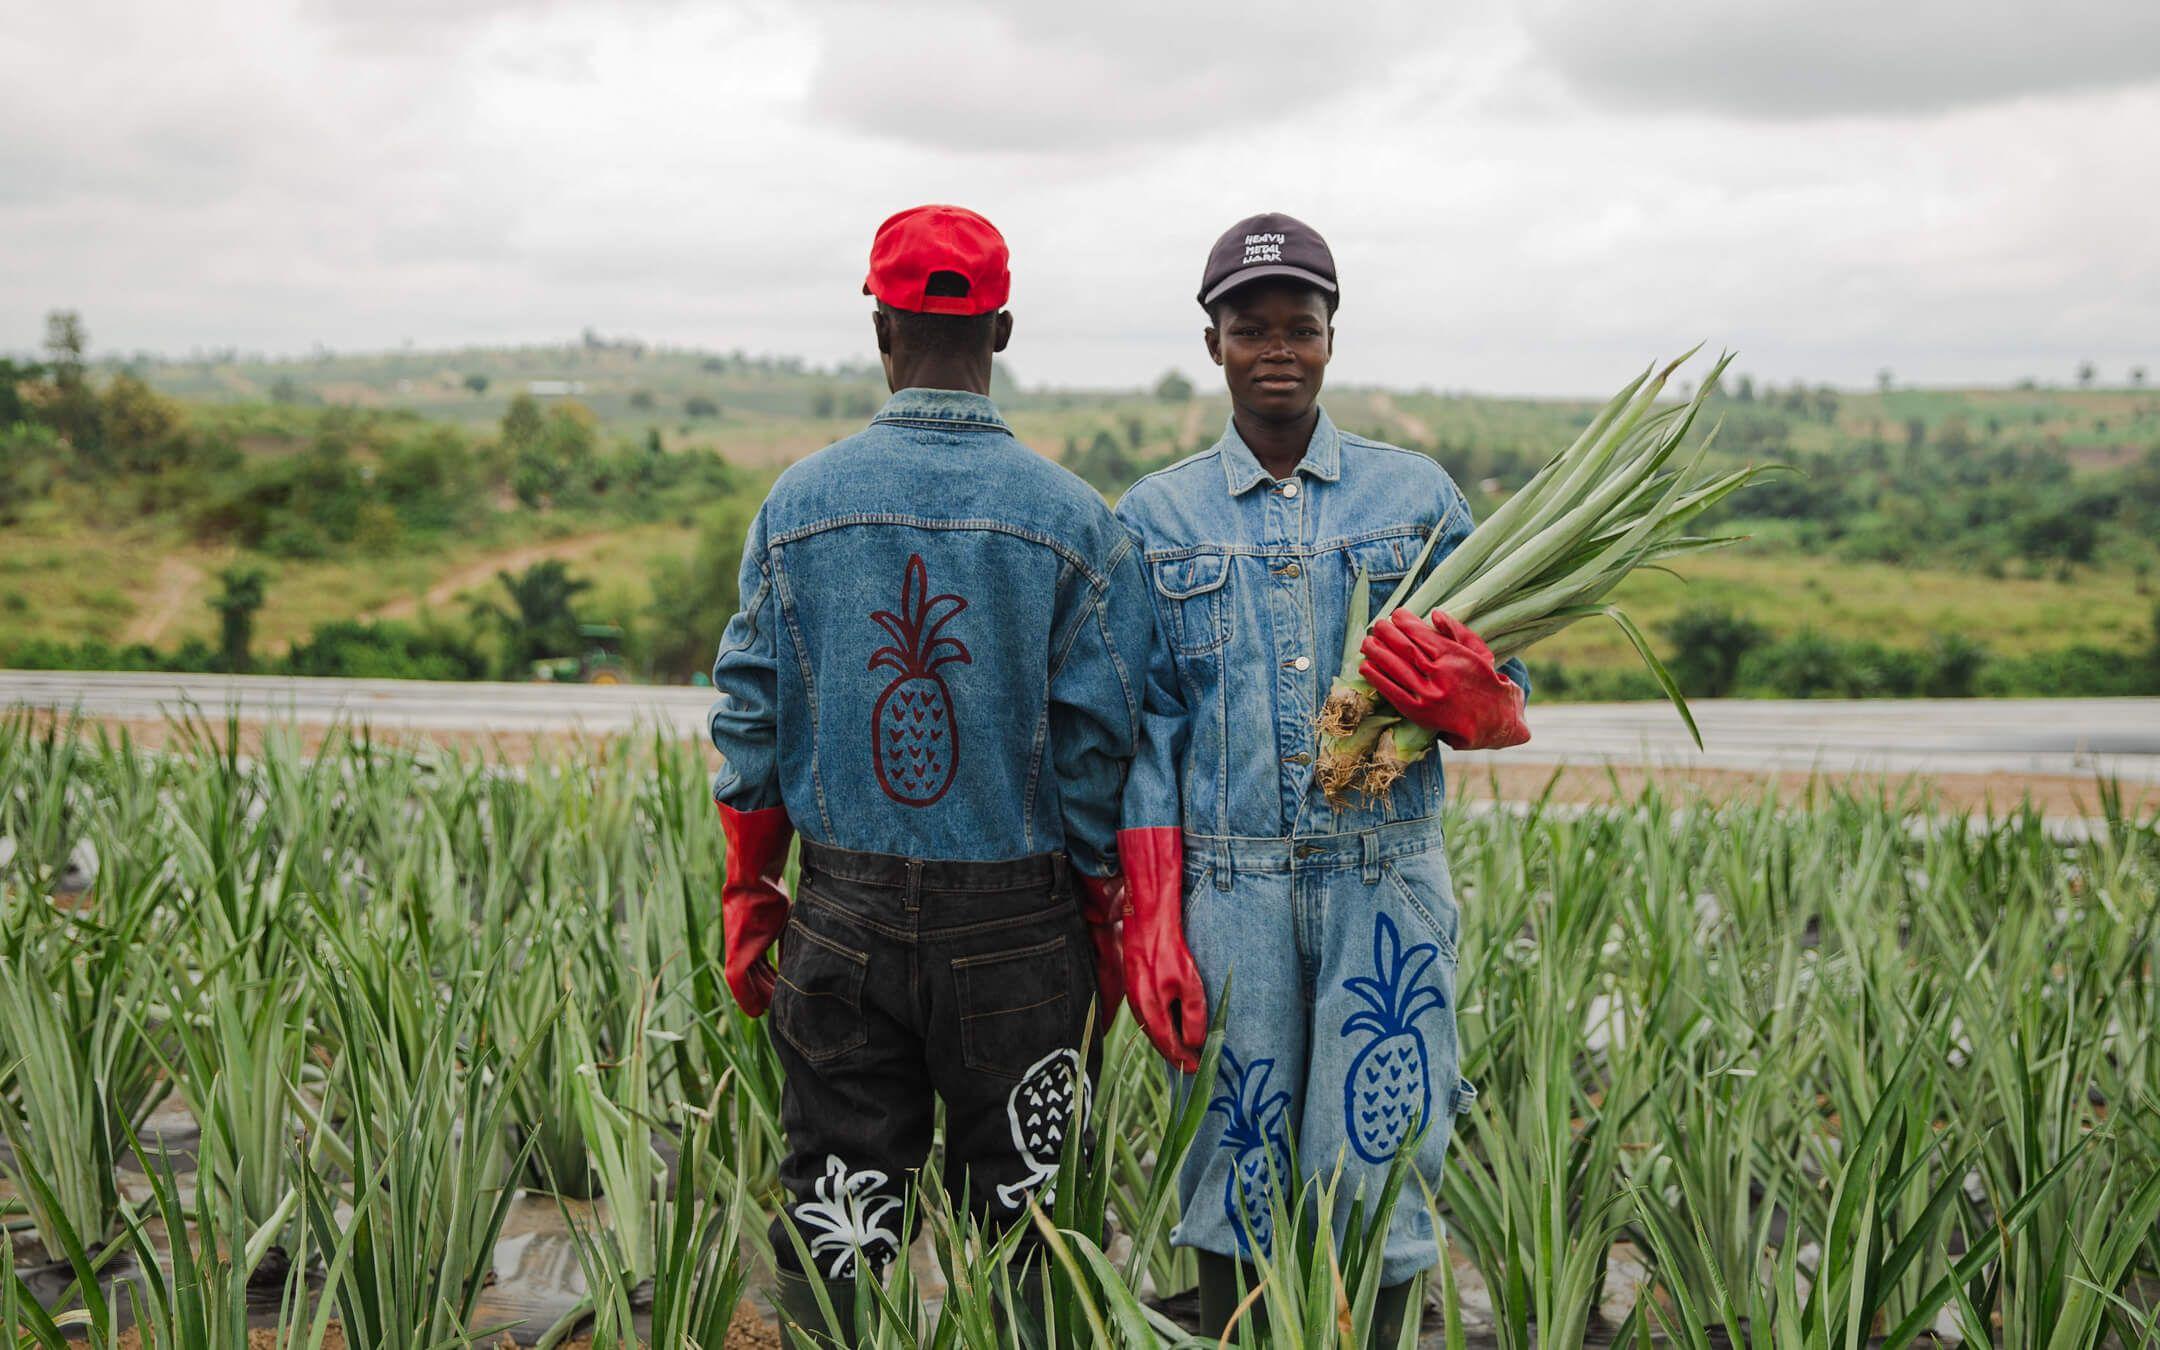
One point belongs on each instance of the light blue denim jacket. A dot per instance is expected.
(942, 646)
(1251, 580)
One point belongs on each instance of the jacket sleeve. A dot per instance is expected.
(745, 718)
(1095, 701)
(1455, 509)
(1152, 797)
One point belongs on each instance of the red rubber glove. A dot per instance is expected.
(1160, 978)
(753, 907)
(1440, 675)
(1102, 903)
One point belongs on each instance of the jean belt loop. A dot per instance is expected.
(1223, 870)
(1369, 847)
(1063, 875)
(911, 900)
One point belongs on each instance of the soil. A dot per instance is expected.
(482, 571)
(177, 580)
(750, 1331)
(1414, 427)
(1595, 784)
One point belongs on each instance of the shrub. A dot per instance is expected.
(356, 649)
(1705, 645)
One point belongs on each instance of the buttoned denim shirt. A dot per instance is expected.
(1251, 579)
(941, 649)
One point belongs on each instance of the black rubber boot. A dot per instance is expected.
(1396, 1304)
(1224, 1284)
(795, 1298)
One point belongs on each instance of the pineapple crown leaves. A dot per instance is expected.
(1254, 1114)
(915, 628)
(1394, 999)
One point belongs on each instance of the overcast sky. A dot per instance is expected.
(1537, 199)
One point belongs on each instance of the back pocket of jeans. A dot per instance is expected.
(1015, 1007)
(817, 1008)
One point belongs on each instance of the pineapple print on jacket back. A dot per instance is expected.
(1388, 1091)
(915, 739)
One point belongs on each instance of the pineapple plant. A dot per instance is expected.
(1388, 1091)
(1043, 1108)
(1260, 1148)
(914, 739)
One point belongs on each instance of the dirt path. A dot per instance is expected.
(1414, 427)
(481, 571)
(1195, 411)
(177, 579)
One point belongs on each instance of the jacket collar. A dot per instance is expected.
(948, 407)
(1242, 471)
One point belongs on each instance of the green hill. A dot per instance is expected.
(1934, 540)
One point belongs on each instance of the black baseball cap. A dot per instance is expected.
(1270, 244)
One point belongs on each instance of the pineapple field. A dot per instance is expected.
(399, 1046)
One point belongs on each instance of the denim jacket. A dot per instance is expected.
(1251, 579)
(941, 648)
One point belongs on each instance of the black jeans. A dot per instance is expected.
(900, 978)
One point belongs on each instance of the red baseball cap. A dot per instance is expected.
(923, 240)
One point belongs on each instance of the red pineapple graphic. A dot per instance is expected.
(914, 739)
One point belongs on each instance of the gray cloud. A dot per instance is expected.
(972, 75)
(258, 173)
(1842, 58)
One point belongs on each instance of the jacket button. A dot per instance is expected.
(1290, 571)
(1302, 663)
(1299, 758)
(1290, 489)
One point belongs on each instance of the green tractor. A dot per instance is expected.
(601, 663)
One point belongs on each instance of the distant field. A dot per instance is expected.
(2020, 519)
(1898, 606)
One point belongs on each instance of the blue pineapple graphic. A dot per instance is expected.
(1388, 1090)
(1260, 1146)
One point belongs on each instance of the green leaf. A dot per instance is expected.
(1657, 670)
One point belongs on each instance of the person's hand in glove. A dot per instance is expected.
(1102, 904)
(1161, 981)
(753, 905)
(1440, 675)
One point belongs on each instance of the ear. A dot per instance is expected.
(1002, 330)
(1214, 343)
(883, 327)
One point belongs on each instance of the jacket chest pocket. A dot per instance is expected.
(1384, 561)
(1195, 599)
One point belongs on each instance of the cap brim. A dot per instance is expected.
(1239, 278)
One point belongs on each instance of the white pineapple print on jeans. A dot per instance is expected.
(849, 1216)
(1044, 1107)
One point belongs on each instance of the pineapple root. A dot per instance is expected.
(1383, 769)
(1337, 772)
(1342, 711)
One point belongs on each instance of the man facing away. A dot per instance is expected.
(936, 680)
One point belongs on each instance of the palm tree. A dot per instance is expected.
(541, 620)
(241, 594)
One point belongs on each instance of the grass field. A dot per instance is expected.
(1825, 1071)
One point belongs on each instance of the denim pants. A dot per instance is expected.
(902, 981)
(1339, 1042)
